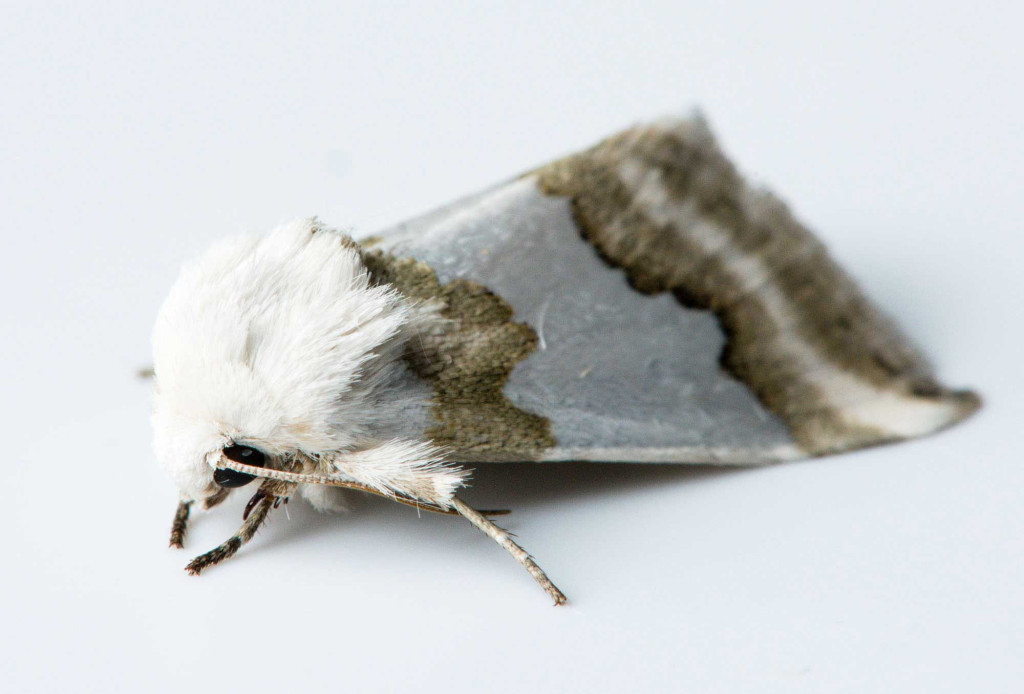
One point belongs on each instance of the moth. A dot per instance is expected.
(638, 301)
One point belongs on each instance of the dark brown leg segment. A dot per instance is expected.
(180, 524)
(256, 515)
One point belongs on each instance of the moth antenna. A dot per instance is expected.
(327, 480)
(396, 469)
(300, 478)
(225, 463)
(503, 538)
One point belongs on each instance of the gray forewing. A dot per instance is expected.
(620, 375)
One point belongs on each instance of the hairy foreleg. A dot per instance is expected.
(256, 513)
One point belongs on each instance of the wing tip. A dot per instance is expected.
(965, 403)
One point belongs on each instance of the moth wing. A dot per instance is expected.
(673, 314)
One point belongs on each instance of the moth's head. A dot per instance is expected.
(189, 449)
(205, 407)
(268, 346)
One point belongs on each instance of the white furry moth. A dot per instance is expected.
(635, 302)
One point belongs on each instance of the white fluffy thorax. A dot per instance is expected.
(278, 342)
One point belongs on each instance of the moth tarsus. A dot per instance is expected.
(257, 514)
(180, 525)
(223, 551)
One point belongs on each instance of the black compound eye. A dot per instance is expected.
(239, 454)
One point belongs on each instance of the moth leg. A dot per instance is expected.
(256, 513)
(180, 524)
(219, 496)
(505, 540)
(179, 527)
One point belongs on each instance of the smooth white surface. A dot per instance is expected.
(133, 135)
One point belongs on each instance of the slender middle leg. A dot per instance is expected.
(505, 540)
(256, 515)
(180, 525)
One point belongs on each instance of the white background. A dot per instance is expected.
(134, 134)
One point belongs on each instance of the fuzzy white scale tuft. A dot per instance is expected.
(281, 343)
